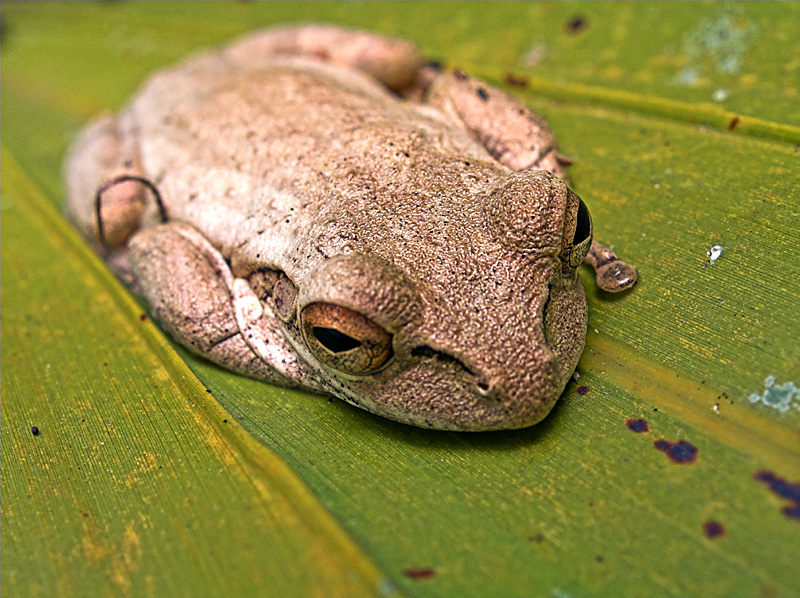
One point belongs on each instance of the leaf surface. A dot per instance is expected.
(682, 120)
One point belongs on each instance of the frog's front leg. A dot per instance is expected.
(106, 195)
(194, 295)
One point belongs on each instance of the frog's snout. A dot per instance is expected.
(493, 392)
(532, 385)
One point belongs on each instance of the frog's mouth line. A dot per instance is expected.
(430, 353)
(426, 352)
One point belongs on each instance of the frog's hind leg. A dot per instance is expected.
(194, 295)
(106, 195)
(510, 131)
(392, 61)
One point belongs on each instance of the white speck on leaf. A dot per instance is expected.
(716, 45)
(534, 55)
(714, 253)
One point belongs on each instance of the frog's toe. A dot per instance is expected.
(612, 274)
(616, 276)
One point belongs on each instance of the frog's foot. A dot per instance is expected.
(510, 131)
(394, 62)
(194, 295)
(612, 274)
(106, 194)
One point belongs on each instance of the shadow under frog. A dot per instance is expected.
(316, 208)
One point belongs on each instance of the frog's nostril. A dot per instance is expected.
(484, 386)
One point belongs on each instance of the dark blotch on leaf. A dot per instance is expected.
(419, 573)
(576, 24)
(582, 390)
(34, 430)
(637, 425)
(536, 538)
(734, 122)
(784, 489)
(713, 529)
(678, 452)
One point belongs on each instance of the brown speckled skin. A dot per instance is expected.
(396, 210)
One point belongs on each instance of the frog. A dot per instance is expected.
(321, 208)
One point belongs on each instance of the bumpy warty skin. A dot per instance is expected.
(382, 206)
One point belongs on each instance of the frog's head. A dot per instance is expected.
(478, 336)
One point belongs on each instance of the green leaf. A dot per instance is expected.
(682, 119)
(137, 482)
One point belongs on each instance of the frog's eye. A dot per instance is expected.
(583, 225)
(344, 339)
(578, 237)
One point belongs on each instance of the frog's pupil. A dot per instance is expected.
(335, 341)
(582, 224)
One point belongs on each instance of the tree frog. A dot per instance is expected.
(317, 207)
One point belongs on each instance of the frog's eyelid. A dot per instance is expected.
(98, 200)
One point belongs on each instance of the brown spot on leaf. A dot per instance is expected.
(637, 425)
(142, 317)
(515, 80)
(419, 573)
(788, 490)
(734, 122)
(582, 390)
(678, 452)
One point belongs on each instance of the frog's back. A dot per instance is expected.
(295, 145)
